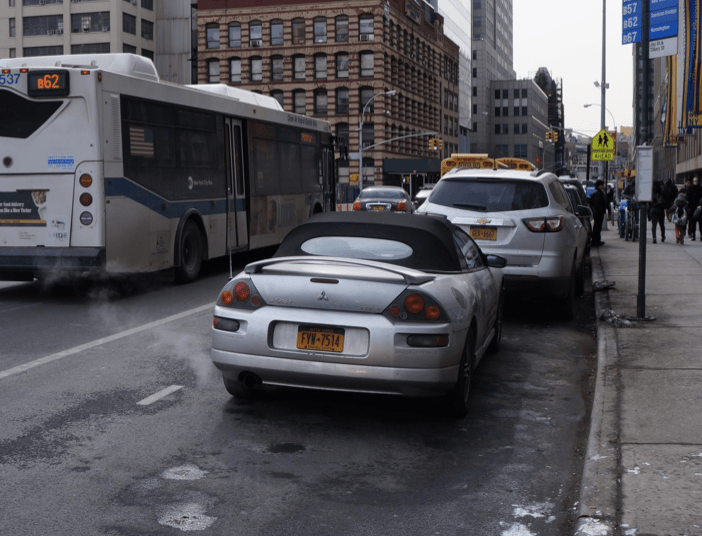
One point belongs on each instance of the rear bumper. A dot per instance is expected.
(536, 287)
(353, 377)
(28, 260)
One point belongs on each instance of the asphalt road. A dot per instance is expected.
(86, 450)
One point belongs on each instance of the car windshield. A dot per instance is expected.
(381, 194)
(488, 195)
(357, 247)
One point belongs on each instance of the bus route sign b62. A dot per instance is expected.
(632, 21)
(47, 83)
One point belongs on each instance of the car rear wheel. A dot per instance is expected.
(566, 306)
(457, 398)
(497, 326)
(238, 389)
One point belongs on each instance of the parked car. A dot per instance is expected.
(582, 210)
(384, 198)
(527, 218)
(421, 196)
(572, 181)
(373, 303)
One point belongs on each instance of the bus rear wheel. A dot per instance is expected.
(190, 253)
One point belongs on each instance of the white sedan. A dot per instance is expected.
(372, 303)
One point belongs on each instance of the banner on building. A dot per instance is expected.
(693, 66)
(670, 111)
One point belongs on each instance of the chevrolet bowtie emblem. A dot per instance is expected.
(483, 221)
(323, 296)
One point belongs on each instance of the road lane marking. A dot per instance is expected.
(98, 342)
(158, 396)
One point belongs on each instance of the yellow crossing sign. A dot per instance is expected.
(602, 146)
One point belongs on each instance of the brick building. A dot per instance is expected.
(328, 59)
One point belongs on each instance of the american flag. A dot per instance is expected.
(141, 141)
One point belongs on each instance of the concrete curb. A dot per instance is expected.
(599, 488)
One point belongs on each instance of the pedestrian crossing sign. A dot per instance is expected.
(602, 146)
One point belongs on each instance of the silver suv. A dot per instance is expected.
(525, 217)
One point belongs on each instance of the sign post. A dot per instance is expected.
(643, 195)
(602, 146)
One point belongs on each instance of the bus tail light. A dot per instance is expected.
(85, 180)
(86, 199)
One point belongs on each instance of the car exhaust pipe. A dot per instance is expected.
(250, 380)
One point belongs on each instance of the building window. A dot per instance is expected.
(255, 33)
(475, 109)
(299, 101)
(366, 63)
(365, 95)
(277, 68)
(91, 48)
(477, 22)
(12, 4)
(278, 95)
(298, 31)
(520, 150)
(525, 128)
(342, 29)
(524, 111)
(505, 128)
(256, 65)
(498, 110)
(320, 102)
(13, 29)
(129, 23)
(129, 49)
(235, 70)
(497, 94)
(505, 93)
(368, 132)
(44, 25)
(320, 30)
(13, 51)
(516, 110)
(90, 22)
(497, 129)
(42, 51)
(299, 67)
(365, 28)
(342, 100)
(505, 111)
(234, 36)
(147, 4)
(342, 132)
(147, 31)
(213, 71)
(501, 151)
(475, 91)
(277, 33)
(147, 54)
(524, 93)
(320, 66)
(342, 65)
(475, 72)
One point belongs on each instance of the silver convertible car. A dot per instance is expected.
(364, 302)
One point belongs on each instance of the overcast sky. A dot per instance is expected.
(565, 36)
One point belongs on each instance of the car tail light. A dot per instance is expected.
(415, 307)
(545, 225)
(357, 205)
(241, 294)
(401, 206)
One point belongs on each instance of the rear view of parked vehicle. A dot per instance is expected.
(384, 199)
(527, 218)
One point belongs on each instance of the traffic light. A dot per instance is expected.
(441, 144)
(433, 146)
(549, 136)
(554, 136)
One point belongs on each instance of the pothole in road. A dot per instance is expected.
(186, 517)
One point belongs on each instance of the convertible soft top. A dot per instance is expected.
(430, 237)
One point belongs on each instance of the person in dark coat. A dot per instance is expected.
(657, 211)
(670, 192)
(679, 208)
(694, 196)
(598, 203)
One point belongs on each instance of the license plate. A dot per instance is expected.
(320, 338)
(378, 207)
(483, 233)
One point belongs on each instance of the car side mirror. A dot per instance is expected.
(495, 261)
(584, 211)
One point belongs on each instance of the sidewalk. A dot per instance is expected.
(643, 468)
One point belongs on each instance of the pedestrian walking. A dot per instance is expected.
(694, 196)
(598, 203)
(657, 211)
(670, 193)
(679, 214)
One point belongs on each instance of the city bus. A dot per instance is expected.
(106, 168)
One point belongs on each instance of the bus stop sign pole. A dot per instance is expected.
(644, 195)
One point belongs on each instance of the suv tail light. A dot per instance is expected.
(545, 225)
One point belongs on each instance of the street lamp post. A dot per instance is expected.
(360, 135)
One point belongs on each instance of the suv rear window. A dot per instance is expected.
(22, 117)
(489, 195)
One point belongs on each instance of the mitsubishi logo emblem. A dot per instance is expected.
(323, 296)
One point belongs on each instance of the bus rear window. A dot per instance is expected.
(22, 117)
